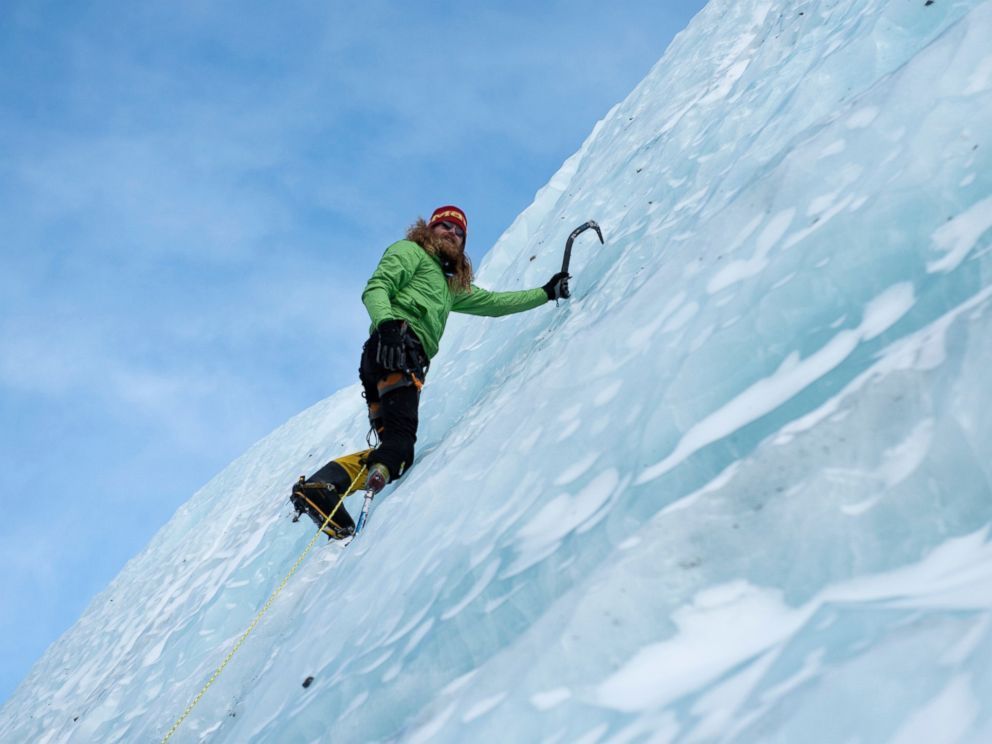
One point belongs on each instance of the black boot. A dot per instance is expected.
(317, 499)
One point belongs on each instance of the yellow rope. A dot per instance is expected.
(258, 617)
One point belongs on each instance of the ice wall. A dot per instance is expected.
(736, 489)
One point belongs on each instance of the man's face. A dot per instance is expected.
(449, 232)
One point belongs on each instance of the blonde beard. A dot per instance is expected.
(449, 247)
(445, 249)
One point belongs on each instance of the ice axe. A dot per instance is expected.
(591, 224)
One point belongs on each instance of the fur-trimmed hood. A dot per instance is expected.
(458, 268)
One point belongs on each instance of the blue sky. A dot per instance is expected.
(192, 196)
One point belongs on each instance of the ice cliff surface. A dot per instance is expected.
(736, 489)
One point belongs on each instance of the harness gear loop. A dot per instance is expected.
(265, 608)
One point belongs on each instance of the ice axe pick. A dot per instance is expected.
(590, 225)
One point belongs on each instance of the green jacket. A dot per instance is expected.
(408, 284)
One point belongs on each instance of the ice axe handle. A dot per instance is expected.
(591, 224)
(363, 517)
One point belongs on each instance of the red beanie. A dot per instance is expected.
(449, 214)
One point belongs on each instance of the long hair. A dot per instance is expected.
(460, 278)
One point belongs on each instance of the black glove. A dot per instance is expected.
(557, 286)
(391, 353)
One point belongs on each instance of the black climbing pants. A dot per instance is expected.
(393, 398)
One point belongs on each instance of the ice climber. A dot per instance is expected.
(418, 281)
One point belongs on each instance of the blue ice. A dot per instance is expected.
(736, 489)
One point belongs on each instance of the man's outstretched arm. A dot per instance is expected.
(495, 304)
